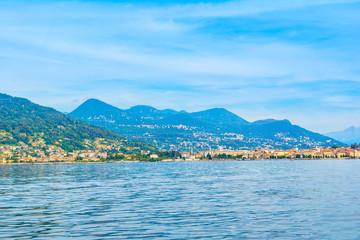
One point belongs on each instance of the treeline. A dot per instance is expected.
(355, 145)
(223, 156)
(137, 155)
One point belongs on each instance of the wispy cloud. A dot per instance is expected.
(243, 8)
(258, 58)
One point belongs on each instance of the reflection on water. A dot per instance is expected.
(206, 200)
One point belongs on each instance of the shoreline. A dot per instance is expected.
(173, 160)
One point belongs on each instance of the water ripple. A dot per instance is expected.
(199, 200)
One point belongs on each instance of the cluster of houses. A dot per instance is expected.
(38, 151)
(314, 153)
(100, 149)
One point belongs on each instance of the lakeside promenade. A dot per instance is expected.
(13, 155)
(295, 153)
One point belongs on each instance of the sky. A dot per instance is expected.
(296, 60)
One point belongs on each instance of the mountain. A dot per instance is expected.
(93, 107)
(350, 135)
(179, 130)
(266, 121)
(25, 120)
(220, 116)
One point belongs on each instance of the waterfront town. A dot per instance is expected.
(36, 150)
(295, 153)
(101, 150)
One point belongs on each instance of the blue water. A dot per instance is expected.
(182, 200)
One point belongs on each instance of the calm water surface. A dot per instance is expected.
(182, 200)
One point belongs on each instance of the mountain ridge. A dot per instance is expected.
(180, 130)
(349, 135)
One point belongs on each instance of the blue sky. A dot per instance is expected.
(298, 60)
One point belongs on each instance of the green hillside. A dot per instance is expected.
(25, 120)
(204, 130)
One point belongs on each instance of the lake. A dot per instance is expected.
(313, 199)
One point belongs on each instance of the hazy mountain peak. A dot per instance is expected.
(217, 110)
(93, 107)
(94, 102)
(143, 108)
(349, 135)
(271, 120)
(221, 116)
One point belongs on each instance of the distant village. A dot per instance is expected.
(102, 151)
(36, 150)
(195, 139)
(257, 154)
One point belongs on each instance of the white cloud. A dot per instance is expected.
(50, 51)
